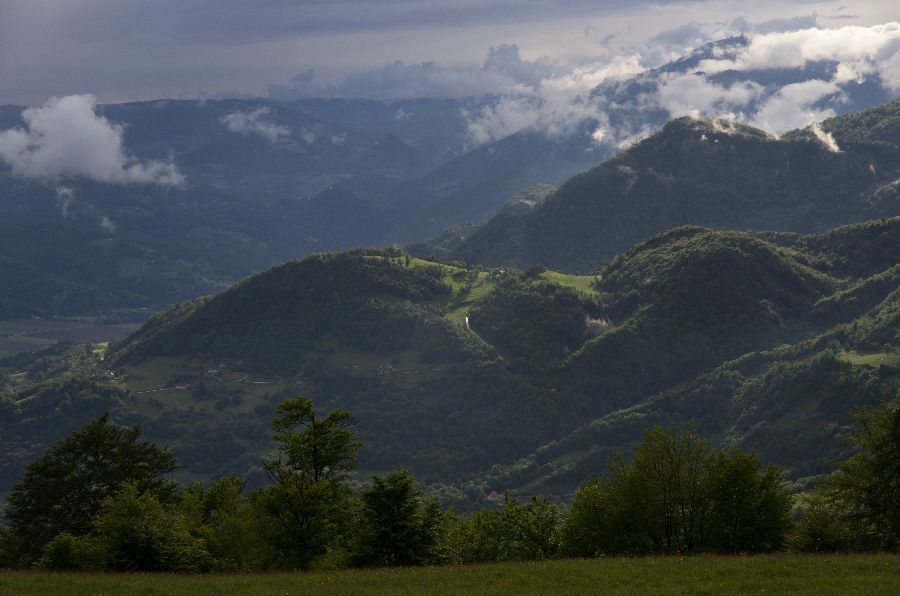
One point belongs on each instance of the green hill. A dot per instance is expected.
(789, 402)
(712, 173)
(481, 380)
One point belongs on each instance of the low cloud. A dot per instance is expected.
(66, 138)
(776, 74)
(256, 123)
(826, 138)
(778, 81)
(558, 106)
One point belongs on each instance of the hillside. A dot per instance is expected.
(789, 402)
(766, 340)
(712, 173)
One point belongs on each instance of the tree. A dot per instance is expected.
(399, 525)
(136, 533)
(667, 484)
(517, 532)
(822, 527)
(750, 507)
(599, 521)
(64, 490)
(307, 506)
(679, 495)
(227, 524)
(868, 483)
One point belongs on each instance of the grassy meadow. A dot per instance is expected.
(769, 574)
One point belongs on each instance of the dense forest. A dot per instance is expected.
(713, 173)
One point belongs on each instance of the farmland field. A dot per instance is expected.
(25, 335)
(772, 574)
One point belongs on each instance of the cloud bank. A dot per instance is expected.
(777, 74)
(66, 138)
(503, 71)
(776, 81)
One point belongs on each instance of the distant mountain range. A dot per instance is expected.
(270, 181)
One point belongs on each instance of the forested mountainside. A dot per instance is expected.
(264, 182)
(713, 173)
(767, 340)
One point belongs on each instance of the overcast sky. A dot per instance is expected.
(122, 50)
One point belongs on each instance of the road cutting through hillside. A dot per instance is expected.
(481, 339)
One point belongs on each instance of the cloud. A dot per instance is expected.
(826, 138)
(853, 46)
(794, 106)
(255, 123)
(778, 81)
(65, 196)
(695, 95)
(558, 106)
(65, 138)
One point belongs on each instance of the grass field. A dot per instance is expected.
(889, 359)
(774, 574)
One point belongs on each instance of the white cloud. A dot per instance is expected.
(255, 123)
(777, 80)
(65, 137)
(860, 48)
(558, 106)
(694, 95)
(796, 106)
(890, 73)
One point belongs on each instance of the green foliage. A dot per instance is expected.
(824, 526)
(307, 508)
(136, 533)
(533, 321)
(398, 524)
(751, 507)
(516, 532)
(227, 523)
(676, 496)
(65, 489)
(70, 553)
(868, 483)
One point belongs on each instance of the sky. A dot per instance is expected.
(123, 50)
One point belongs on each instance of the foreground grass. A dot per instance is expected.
(774, 574)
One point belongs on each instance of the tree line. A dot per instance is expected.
(101, 499)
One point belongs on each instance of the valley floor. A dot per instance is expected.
(771, 574)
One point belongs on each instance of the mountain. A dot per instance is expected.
(265, 182)
(485, 379)
(706, 172)
(819, 341)
(261, 176)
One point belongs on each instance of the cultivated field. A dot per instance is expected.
(774, 574)
(25, 335)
